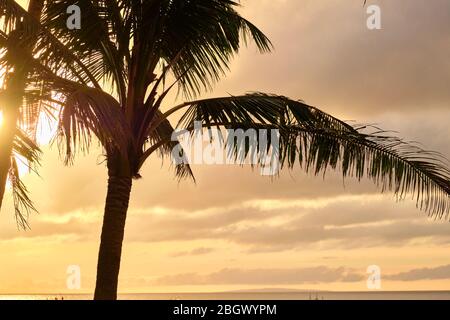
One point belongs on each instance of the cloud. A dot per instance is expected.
(436, 273)
(359, 221)
(327, 56)
(194, 252)
(311, 275)
(293, 276)
(348, 222)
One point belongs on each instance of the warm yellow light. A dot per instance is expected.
(1, 118)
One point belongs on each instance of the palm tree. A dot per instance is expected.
(18, 113)
(108, 80)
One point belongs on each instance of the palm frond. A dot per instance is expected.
(23, 206)
(257, 108)
(316, 141)
(100, 42)
(26, 148)
(50, 51)
(86, 112)
(164, 132)
(207, 33)
(26, 151)
(390, 162)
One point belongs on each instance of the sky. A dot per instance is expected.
(235, 229)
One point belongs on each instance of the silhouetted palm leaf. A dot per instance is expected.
(315, 140)
(49, 50)
(87, 111)
(29, 153)
(163, 132)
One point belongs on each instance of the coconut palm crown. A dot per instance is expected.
(109, 80)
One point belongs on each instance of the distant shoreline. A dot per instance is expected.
(255, 291)
(245, 295)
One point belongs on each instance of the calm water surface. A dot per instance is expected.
(382, 295)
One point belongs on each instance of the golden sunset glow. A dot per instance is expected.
(237, 230)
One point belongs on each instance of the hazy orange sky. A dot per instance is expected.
(238, 230)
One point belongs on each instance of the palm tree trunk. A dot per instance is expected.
(119, 188)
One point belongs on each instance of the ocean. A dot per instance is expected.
(326, 295)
